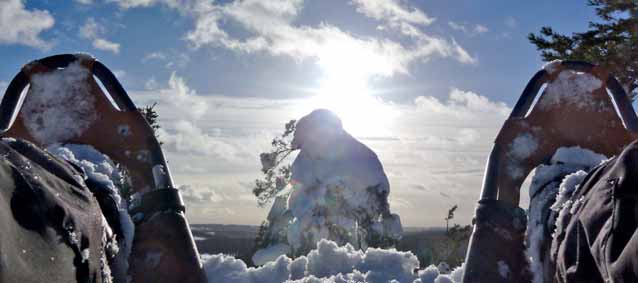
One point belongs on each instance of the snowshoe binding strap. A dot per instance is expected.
(581, 105)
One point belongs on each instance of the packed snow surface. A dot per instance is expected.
(330, 263)
(552, 186)
(57, 107)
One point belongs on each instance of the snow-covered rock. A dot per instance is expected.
(338, 191)
(330, 263)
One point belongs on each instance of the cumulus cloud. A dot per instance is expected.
(21, 26)
(200, 194)
(184, 137)
(464, 105)
(269, 27)
(92, 30)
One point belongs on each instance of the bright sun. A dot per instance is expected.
(344, 90)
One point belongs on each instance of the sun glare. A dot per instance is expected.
(344, 90)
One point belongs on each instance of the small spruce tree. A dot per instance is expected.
(612, 43)
(276, 172)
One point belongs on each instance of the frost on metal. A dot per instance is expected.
(521, 148)
(572, 88)
(550, 192)
(57, 107)
(329, 262)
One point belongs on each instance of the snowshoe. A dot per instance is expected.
(581, 105)
(65, 105)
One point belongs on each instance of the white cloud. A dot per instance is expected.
(477, 29)
(127, 4)
(21, 26)
(465, 104)
(480, 29)
(269, 27)
(157, 55)
(93, 31)
(103, 44)
(84, 2)
(151, 84)
(170, 59)
(200, 194)
(392, 11)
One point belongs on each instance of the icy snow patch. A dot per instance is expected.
(57, 107)
(330, 263)
(573, 88)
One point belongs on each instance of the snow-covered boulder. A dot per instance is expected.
(338, 191)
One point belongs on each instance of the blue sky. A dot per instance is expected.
(440, 76)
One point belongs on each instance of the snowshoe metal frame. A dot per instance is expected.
(123, 134)
(605, 125)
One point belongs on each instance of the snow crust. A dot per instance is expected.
(573, 88)
(550, 193)
(330, 263)
(56, 108)
(100, 168)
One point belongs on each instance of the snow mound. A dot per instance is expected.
(330, 263)
(57, 107)
(338, 191)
